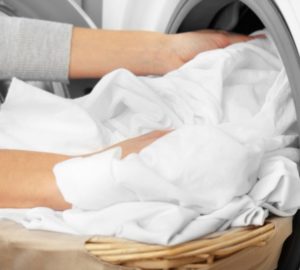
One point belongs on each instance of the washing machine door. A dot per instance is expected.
(290, 11)
(161, 15)
(280, 17)
(281, 20)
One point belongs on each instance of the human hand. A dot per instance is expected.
(137, 144)
(186, 46)
(95, 53)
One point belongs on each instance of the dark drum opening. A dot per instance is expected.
(229, 15)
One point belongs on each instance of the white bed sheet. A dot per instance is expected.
(230, 161)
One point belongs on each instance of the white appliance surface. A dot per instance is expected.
(290, 10)
(136, 14)
(155, 15)
(54, 10)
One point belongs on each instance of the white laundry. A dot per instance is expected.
(230, 161)
(169, 171)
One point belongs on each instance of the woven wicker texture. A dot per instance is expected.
(195, 254)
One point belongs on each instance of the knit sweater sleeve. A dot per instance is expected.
(34, 49)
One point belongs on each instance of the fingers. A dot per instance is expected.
(237, 38)
(157, 133)
(135, 145)
(225, 39)
(262, 36)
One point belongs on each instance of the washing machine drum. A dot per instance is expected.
(279, 17)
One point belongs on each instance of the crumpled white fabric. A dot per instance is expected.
(230, 160)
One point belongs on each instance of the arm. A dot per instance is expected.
(97, 52)
(42, 50)
(27, 180)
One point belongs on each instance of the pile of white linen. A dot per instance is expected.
(230, 160)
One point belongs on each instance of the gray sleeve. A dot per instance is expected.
(34, 49)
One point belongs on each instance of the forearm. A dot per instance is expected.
(27, 180)
(97, 52)
(94, 53)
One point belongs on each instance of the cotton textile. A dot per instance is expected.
(230, 160)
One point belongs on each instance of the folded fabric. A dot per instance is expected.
(230, 160)
(197, 167)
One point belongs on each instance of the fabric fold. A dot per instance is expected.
(230, 161)
(88, 182)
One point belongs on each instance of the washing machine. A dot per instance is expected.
(243, 16)
(280, 17)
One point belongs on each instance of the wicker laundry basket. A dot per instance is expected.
(207, 253)
(253, 248)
